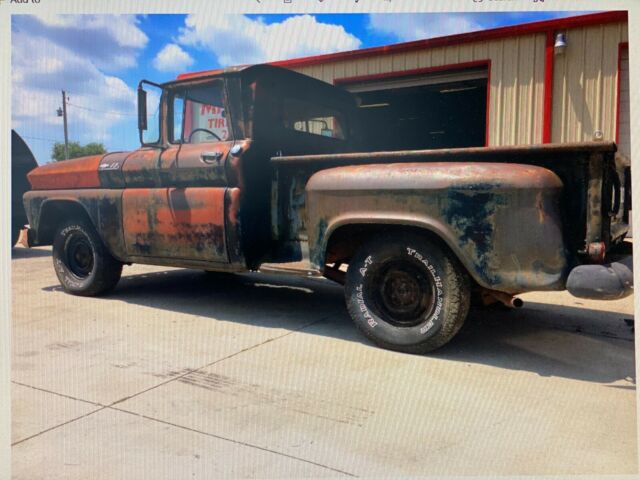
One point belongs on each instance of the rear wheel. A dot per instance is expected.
(82, 262)
(406, 293)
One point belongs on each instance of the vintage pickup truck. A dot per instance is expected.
(255, 165)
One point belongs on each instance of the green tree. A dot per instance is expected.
(76, 150)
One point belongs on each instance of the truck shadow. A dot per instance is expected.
(21, 252)
(549, 340)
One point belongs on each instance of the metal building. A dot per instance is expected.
(561, 80)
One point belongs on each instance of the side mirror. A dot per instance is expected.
(142, 109)
(149, 128)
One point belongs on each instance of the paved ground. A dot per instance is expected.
(182, 375)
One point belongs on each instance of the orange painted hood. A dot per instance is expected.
(67, 174)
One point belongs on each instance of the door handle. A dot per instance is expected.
(211, 157)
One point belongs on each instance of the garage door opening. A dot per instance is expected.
(437, 111)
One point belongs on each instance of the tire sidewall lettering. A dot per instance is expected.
(439, 288)
(363, 307)
(64, 236)
(427, 326)
(367, 263)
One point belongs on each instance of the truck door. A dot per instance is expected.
(183, 217)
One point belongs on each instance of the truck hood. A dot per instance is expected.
(76, 173)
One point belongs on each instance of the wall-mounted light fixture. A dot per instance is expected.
(561, 43)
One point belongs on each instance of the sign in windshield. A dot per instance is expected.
(200, 115)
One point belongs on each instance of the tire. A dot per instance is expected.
(406, 293)
(81, 260)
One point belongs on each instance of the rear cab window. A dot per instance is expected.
(313, 119)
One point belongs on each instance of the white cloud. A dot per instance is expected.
(405, 27)
(79, 54)
(112, 42)
(236, 39)
(172, 58)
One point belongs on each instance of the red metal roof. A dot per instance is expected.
(477, 36)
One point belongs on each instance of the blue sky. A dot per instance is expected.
(99, 59)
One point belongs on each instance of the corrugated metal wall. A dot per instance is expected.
(585, 84)
(517, 81)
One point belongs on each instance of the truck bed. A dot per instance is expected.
(594, 211)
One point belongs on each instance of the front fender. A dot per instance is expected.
(103, 207)
(501, 220)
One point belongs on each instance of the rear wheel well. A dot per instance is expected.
(345, 240)
(54, 213)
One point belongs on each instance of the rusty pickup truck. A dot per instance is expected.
(259, 164)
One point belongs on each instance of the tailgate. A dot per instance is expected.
(607, 205)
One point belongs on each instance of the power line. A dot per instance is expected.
(51, 140)
(107, 112)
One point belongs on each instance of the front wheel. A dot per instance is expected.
(406, 293)
(82, 263)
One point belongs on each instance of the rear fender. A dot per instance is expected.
(502, 221)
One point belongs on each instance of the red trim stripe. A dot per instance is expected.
(621, 47)
(488, 118)
(201, 73)
(547, 115)
(412, 72)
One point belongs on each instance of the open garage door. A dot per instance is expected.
(438, 110)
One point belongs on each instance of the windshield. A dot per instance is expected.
(199, 115)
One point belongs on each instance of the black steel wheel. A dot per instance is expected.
(79, 255)
(407, 293)
(402, 294)
(82, 263)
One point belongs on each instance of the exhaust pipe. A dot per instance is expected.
(493, 296)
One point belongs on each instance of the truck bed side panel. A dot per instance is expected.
(502, 221)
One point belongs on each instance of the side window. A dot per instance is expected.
(178, 117)
(199, 115)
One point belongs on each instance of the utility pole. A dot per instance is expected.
(64, 119)
(62, 112)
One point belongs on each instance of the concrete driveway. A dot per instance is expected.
(178, 374)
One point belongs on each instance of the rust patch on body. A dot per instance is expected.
(141, 168)
(175, 222)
